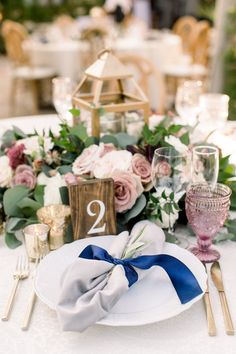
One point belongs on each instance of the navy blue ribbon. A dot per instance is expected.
(183, 280)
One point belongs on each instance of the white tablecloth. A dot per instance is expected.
(66, 57)
(184, 334)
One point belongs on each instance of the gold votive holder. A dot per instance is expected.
(36, 240)
(57, 217)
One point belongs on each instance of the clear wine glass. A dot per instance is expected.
(205, 164)
(214, 109)
(170, 177)
(62, 97)
(207, 209)
(187, 101)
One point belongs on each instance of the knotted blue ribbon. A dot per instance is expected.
(183, 280)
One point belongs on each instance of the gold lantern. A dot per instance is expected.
(108, 71)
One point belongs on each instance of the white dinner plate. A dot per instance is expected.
(150, 300)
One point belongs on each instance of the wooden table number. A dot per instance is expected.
(93, 208)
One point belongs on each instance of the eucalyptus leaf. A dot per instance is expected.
(18, 132)
(137, 208)
(69, 234)
(8, 138)
(109, 139)
(11, 240)
(14, 224)
(169, 237)
(29, 203)
(64, 169)
(64, 195)
(12, 197)
(46, 169)
(125, 139)
(90, 141)
(80, 131)
(224, 236)
(39, 194)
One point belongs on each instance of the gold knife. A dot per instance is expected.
(216, 275)
(209, 313)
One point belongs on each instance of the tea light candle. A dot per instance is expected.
(36, 236)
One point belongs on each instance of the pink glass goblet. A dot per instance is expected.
(207, 209)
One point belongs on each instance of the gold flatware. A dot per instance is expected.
(209, 313)
(21, 272)
(216, 275)
(31, 303)
(29, 311)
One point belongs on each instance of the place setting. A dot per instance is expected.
(118, 195)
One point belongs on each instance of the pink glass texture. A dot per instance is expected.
(207, 209)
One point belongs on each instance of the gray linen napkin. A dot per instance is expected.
(90, 288)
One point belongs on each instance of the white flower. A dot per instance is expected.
(154, 121)
(85, 162)
(168, 220)
(52, 185)
(176, 143)
(47, 143)
(35, 145)
(5, 172)
(114, 160)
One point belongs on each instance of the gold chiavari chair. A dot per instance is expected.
(14, 34)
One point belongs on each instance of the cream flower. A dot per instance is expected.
(5, 172)
(113, 160)
(52, 185)
(35, 145)
(176, 143)
(85, 162)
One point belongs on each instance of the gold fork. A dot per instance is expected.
(21, 272)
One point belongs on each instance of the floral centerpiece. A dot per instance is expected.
(36, 169)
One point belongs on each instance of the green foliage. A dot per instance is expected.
(64, 195)
(125, 139)
(137, 208)
(11, 199)
(156, 137)
(22, 10)
(230, 62)
(11, 240)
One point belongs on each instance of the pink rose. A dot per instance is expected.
(24, 176)
(22, 168)
(128, 188)
(16, 155)
(141, 167)
(70, 178)
(163, 169)
(85, 162)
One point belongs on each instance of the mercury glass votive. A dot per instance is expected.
(36, 236)
(57, 217)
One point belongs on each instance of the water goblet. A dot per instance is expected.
(205, 164)
(170, 177)
(187, 101)
(62, 97)
(214, 108)
(207, 209)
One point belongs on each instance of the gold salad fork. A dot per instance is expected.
(21, 272)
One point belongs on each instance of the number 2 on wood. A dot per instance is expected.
(102, 209)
